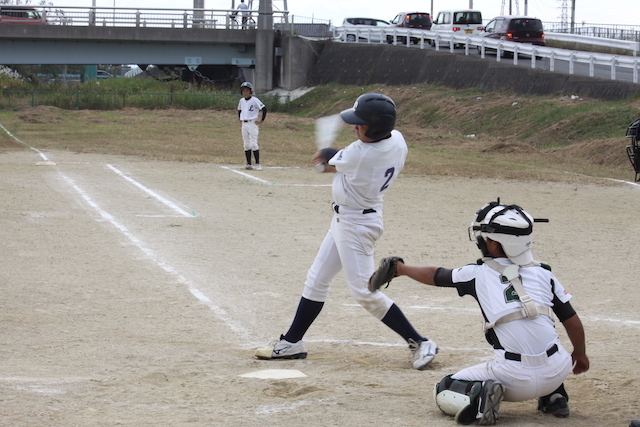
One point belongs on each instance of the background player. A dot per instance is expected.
(364, 171)
(248, 109)
(530, 361)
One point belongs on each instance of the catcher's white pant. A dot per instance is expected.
(533, 377)
(349, 244)
(250, 132)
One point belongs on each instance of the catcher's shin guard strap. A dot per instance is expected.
(458, 398)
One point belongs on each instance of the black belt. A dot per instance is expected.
(247, 121)
(518, 357)
(366, 211)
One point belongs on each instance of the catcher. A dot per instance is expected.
(518, 297)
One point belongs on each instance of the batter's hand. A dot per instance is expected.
(259, 122)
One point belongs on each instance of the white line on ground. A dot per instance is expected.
(247, 175)
(150, 192)
(219, 313)
(40, 153)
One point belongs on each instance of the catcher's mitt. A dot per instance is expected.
(385, 273)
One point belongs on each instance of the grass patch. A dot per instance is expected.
(450, 133)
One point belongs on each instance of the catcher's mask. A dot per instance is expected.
(247, 85)
(633, 150)
(508, 225)
(376, 110)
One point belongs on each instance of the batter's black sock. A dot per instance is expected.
(256, 154)
(396, 320)
(247, 154)
(305, 315)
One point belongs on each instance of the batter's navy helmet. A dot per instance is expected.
(376, 110)
(247, 85)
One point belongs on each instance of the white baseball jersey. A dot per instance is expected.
(366, 169)
(249, 108)
(497, 299)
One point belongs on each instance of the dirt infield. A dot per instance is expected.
(135, 292)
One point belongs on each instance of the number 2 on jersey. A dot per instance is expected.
(389, 174)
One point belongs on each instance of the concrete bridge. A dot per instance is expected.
(189, 37)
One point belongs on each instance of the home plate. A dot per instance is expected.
(277, 374)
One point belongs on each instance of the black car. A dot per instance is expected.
(521, 29)
(418, 20)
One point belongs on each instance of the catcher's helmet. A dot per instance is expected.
(376, 110)
(247, 85)
(508, 225)
(632, 131)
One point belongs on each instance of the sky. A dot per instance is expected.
(623, 12)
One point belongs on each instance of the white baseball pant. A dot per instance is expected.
(530, 378)
(349, 244)
(250, 132)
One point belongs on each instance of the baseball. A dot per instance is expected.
(320, 167)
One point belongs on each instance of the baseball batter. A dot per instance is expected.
(249, 108)
(363, 172)
(518, 298)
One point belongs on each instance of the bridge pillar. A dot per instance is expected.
(264, 48)
(264, 61)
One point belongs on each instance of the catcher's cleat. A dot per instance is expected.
(282, 349)
(423, 353)
(489, 404)
(555, 405)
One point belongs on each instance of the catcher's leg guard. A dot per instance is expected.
(469, 401)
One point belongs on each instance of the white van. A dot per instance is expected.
(458, 21)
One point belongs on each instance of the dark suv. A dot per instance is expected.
(521, 29)
(418, 20)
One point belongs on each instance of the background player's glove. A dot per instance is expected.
(385, 273)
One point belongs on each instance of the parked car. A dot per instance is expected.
(20, 15)
(376, 35)
(523, 29)
(458, 21)
(418, 20)
(101, 74)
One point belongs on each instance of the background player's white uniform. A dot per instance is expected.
(537, 373)
(364, 171)
(249, 110)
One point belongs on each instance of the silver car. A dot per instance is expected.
(363, 30)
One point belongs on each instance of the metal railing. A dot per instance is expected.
(156, 18)
(422, 38)
(607, 31)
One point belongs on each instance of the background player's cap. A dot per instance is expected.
(247, 85)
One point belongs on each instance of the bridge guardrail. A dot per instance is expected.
(155, 18)
(439, 40)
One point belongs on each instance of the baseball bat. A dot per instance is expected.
(327, 129)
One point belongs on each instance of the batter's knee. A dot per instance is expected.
(376, 303)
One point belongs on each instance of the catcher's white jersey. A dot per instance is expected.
(249, 108)
(366, 169)
(525, 336)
